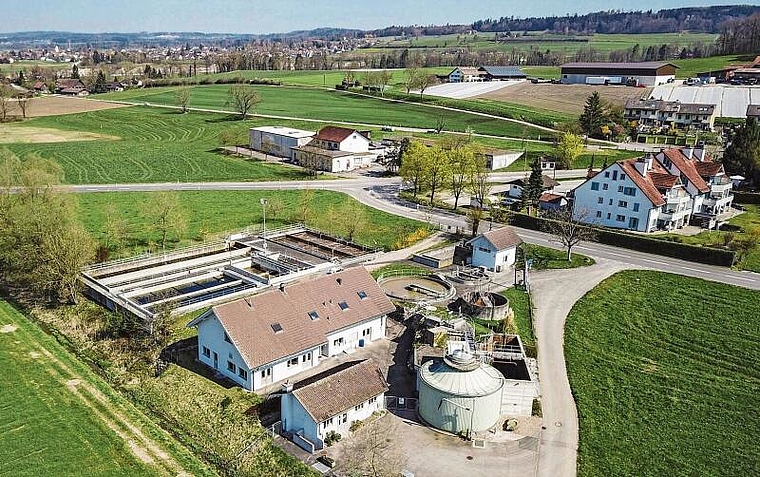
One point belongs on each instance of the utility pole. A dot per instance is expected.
(263, 201)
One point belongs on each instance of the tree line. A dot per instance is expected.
(740, 36)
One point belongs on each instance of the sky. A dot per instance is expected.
(253, 16)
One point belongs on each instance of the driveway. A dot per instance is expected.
(554, 293)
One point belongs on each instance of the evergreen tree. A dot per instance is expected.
(743, 154)
(100, 83)
(535, 186)
(75, 72)
(594, 115)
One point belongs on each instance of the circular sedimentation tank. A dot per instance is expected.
(486, 305)
(460, 394)
(416, 288)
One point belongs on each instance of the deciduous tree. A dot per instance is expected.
(374, 450)
(182, 98)
(480, 185)
(462, 165)
(243, 98)
(570, 228)
(437, 171)
(166, 216)
(743, 154)
(569, 148)
(414, 165)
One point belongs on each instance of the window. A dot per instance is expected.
(605, 186)
(622, 176)
(243, 373)
(362, 295)
(313, 315)
(359, 406)
(338, 342)
(608, 216)
(594, 186)
(620, 218)
(293, 362)
(635, 206)
(227, 338)
(367, 331)
(266, 372)
(231, 366)
(630, 191)
(329, 422)
(606, 173)
(484, 250)
(343, 305)
(600, 200)
(306, 357)
(610, 202)
(614, 175)
(623, 204)
(633, 223)
(598, 214)
(206, 352)
(344, 418)
(372, 400)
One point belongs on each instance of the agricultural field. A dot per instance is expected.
(666, 383)
(310, 103)
(56, 105)
(567, 99)
(59, 418)
(156, 146)
(211, 213)
(320, 78)
(589, 157)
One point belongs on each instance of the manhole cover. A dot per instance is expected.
(469, 457)
(558, 424)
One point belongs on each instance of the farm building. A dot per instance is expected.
(273, 336)
(332, 403)
(656, 113)
(278, 140)
(495, 250)
(501, 73)
(650, 73)
(464, 74)
(498, 159)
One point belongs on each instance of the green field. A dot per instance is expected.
(156, 146)
(58, 418)
(210, 213)
(520, 304)
(310, 103)
(665, 371)
(320, 78)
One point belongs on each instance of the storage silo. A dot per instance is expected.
(460, 394)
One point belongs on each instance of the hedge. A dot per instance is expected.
(691, 253)
(746, 197)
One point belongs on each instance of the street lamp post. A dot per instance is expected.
(263, 201)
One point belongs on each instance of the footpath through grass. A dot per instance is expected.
(311, 103)
(665, 370)
(210, 213)
(58, 418)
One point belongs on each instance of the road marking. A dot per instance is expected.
(696, 270)
(743, 278)
(656, 261)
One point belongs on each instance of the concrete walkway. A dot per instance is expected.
(554, 293)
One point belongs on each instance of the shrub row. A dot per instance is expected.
(692, 253)
(208, 80)
(746, 197)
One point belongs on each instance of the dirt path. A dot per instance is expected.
(553, 294)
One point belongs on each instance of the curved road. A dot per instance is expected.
(555, 293)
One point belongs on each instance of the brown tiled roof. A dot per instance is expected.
(248, 322)
(591, 174)
(753, 110)
(549, 197)
(548, 182)
(503, 238)
(341, 391)
(333, 133)
(708, 168)
(645, 184)
(663, 181)
(686, 166)
(69, 83)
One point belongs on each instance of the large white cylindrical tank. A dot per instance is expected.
(460, 394)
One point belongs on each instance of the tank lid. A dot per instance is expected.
(462, 360)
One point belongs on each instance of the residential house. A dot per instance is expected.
(112, 86)
(464, 74)
(495, 250)
(501, 73)
(634, 194)
(278, 140)
(657, 114)
(273, 336)
(516, 186)
(704, 179)
(71, 87)
(333, 403)
(336, 149)
(40, 88)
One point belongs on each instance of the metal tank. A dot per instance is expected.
(460, 394)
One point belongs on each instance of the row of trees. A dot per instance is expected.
(740, 36)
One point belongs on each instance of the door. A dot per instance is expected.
(216, 360)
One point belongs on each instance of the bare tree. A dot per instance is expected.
(166, 215)
(424, 82)
(182, 97)
(440, 124)
(384, 78)
(374, 450)
(303, 209)
(411, 78)
(115, 229)
(462, 164)
(5, 104)
(23, 102)
(480, 186)
(570, 228)
(243, 98)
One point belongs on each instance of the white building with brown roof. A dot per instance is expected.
(272, 336)
(333, 403)
(495, 250)
(335, 149)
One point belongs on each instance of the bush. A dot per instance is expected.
(355, 425)
(331, 438)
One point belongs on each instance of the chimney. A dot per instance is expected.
(699, 151)
(688, 152)
(287, 387)
(339, 280)
(282, 287)
(644, 164)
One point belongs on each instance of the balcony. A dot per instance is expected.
(719, 190)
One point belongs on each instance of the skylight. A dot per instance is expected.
(343, 305)
(277, 328)
(362, 294)
(313, 315)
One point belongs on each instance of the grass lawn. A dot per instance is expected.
(333, 105)
(59, 418)
(665, 371)
(545, 258)
(400, 268)
(520, 304)
(210, 213)
(749, 221)
(156, 146)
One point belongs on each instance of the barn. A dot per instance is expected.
(650, 73)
